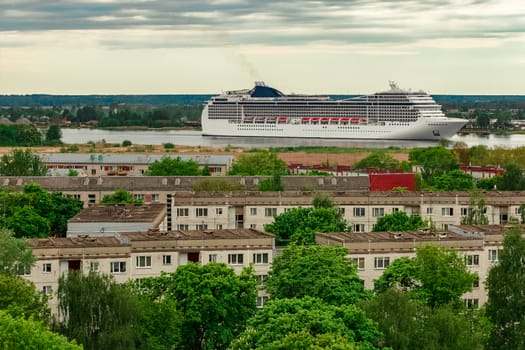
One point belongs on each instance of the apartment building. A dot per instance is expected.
(374, 252)
(157, 189)
(203, 210)
(111, 164)
(136, 255)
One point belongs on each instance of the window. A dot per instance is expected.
(23, 270)
(138, 197)
(117, 266)
(253, 211)
(377, 212)
(183, 212)
(493, 254)
(358, 227)
(359, 262)
(261, 279)
(166, 260)
(359, 211)
(218, 211)
(475, 284)
(155, 198)
(472, 260)
(94, 266)
(201, 212)
(235, 259)
(261, 301)
(183, 227)
(472, 303)
(395, 210)
(46, 267)
(464, 211)
(381, 262)
(143, 261)
(270, 212)
(212, 258)
(201, 227)
(253, 225)
(260, 258)
(341, 211)
(447, 211)
(429, 211)
(47, 290)
(218, 226)
(517, 211)
(91, 198)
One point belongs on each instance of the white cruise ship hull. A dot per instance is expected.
(423, 129)
(266, 112)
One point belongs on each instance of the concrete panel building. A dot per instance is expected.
(136, 255)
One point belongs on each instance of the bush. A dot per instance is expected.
(169, 146)
(126, 143)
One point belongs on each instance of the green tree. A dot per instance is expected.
(19, 298)
(437, 276)
(22, 163)
(97, 312)
(17, 333)
(54, 135)
(476, 211)
(168, 166)
(454, 180)
(64, 208)
(258, 163)
(214, 302)
(378, 159)
(308, 323)
(216, 185)
(15, 254)
(398, 221)
(272, 184)
(433, 161)
(322, 200)
(120, 196)
(487, 184)
(26, 222)
(206, 171)
(300, 224)
(512, 179)
(506, 302)
(318, 271)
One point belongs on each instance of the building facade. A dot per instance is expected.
(373, 252)
(131, 256)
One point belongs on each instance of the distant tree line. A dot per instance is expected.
(28, 135)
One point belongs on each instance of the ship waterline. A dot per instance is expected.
(266, 112)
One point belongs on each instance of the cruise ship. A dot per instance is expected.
(263, 111)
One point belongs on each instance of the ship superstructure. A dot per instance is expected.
(266, 112)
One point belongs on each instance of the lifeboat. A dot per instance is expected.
(344, 120)
(282, 120)
(334, 120)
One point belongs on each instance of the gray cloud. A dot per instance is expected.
(195, 23)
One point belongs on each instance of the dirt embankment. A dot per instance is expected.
(304, 158)
(309, 159)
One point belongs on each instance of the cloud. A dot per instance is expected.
(293, 22)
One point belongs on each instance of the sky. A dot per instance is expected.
(296, 46)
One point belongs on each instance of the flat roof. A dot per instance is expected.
(240, 233)
(74, 242)
(120, 213)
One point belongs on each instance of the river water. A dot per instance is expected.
(194, 138)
